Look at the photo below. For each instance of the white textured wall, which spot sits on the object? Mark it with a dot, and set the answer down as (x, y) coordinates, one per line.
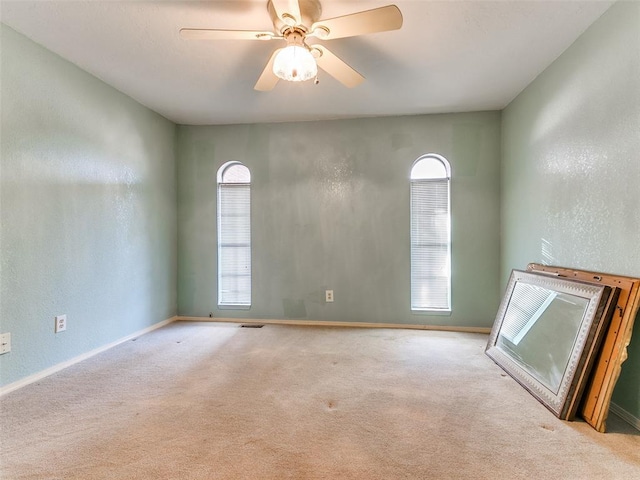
(571, 165)
(88, 214)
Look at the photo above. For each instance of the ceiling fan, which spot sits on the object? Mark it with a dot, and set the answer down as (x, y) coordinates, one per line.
(295, 21)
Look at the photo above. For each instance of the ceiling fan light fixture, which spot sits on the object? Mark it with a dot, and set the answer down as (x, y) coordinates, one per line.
(295, 21)
(295, 63)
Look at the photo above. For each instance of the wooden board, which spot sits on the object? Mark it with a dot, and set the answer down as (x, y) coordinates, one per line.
(613, 352)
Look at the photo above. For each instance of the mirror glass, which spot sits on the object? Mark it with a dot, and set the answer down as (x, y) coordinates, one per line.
(539, 331)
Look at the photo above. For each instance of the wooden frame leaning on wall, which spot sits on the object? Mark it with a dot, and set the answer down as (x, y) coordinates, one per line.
(613, 352)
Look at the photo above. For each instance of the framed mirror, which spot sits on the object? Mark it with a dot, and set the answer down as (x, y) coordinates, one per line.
(546, 335)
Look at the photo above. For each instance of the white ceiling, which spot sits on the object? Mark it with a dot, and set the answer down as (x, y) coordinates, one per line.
(449, 56)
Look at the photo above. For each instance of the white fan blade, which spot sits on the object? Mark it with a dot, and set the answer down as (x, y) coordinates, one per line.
(380, 19)
(288, 11)
(268, 79)
(208, 34)
(337, 68)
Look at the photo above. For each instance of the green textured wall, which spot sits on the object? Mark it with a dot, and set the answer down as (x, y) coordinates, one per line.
(88, 210)
(571, 165)
(330, 210)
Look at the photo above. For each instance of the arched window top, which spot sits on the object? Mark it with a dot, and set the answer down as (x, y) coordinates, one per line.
(234, 172)
(429, 167)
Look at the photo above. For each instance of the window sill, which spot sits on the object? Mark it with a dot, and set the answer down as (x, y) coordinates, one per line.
(234, 307)
(438, 313)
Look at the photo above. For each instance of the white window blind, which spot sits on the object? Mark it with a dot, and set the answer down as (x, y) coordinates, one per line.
(234, 236)
(430, 237)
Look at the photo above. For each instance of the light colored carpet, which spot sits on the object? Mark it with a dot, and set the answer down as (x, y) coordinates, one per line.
(216, 401)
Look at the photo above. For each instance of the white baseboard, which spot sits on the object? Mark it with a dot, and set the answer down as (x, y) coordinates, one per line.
(61, 366)
(323, 323)
(626, 416)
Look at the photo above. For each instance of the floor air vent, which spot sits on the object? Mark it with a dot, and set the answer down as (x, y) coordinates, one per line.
(251, 325)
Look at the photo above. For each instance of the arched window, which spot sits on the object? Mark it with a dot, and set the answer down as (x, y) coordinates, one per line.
(234, 235)
(430, 234)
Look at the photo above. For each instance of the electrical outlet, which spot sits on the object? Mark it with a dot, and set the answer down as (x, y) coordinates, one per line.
(5, 343)
(328, 296)
(61, 323)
